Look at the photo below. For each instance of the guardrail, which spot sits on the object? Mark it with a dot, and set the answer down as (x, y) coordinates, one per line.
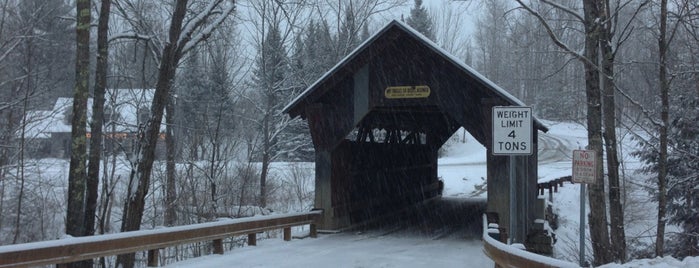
(89, 247)
(509, 256)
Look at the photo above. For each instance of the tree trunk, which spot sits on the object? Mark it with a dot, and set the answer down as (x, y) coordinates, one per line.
(266, 148)
(263, 179)
(78, 157)
(22, 140)
(93, 168)
(665, 121)
(77, 177)
(215, 151)
(170, 189)
(616, 210)
(108, 184)
(599, 233)
(4, 138)
(145, 151)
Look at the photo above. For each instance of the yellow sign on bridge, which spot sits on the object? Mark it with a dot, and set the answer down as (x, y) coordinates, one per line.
(407, 92)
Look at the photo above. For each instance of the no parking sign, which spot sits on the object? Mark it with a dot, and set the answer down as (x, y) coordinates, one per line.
(584, 166)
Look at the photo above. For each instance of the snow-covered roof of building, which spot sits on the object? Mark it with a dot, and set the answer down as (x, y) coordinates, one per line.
(339, 69)
(121, 106)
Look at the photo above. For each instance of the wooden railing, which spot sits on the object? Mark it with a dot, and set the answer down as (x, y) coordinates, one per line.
(553, 185)
(509, 256)
(84, 248)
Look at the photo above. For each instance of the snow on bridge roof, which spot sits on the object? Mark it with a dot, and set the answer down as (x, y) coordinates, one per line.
(301, 99)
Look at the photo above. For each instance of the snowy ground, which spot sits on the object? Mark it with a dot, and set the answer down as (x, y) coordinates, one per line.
(351, 250)
(424, 237)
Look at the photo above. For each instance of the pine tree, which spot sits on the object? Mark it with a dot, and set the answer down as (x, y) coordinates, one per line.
(315, 53)
(683, 177)
(365, 32)
(682, 174)
(421, 20)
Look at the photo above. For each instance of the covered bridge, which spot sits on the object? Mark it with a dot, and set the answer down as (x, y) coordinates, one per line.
(378, 118)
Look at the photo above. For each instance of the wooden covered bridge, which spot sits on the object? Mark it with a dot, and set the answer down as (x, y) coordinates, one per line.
(378, 118)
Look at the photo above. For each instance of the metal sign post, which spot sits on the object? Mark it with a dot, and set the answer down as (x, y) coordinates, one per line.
(512, 135)
(584, 171)
(582, 225)
(513, 201)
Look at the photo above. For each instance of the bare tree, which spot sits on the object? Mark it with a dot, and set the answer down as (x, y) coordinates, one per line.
(170, 216)
(76, 218)
(26, 28)
(274, 25)
(75, 224)
(666, 34)
(665, 121)
(349, 17)
(183, 36)
(589, 18)
(449, 29)
(491, 41)
(93, 168)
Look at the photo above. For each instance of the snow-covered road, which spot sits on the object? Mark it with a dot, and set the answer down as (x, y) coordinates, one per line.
(443, 233)
(352, 250)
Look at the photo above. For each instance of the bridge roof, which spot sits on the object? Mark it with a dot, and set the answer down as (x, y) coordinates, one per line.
(294, 108)
(398, 49)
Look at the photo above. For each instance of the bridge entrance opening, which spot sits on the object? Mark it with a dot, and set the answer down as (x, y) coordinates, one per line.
(379, 117)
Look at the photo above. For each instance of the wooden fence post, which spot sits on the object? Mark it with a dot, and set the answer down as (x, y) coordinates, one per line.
(287, 234)
(314, 230)
(218, 246)
(153, 256)
(252, 239)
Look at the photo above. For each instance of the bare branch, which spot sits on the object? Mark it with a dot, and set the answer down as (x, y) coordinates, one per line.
(564, 9)
(554, 37)
(190, 42)
(136, 36)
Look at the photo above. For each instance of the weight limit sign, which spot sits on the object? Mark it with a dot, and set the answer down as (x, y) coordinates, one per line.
(512, 130)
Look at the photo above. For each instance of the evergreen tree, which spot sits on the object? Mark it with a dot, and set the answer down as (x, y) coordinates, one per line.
(683, 177)
(365, 32)
(420, 20)
(682, 174)
(313, 55)
(192, 100)
(316, 53)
